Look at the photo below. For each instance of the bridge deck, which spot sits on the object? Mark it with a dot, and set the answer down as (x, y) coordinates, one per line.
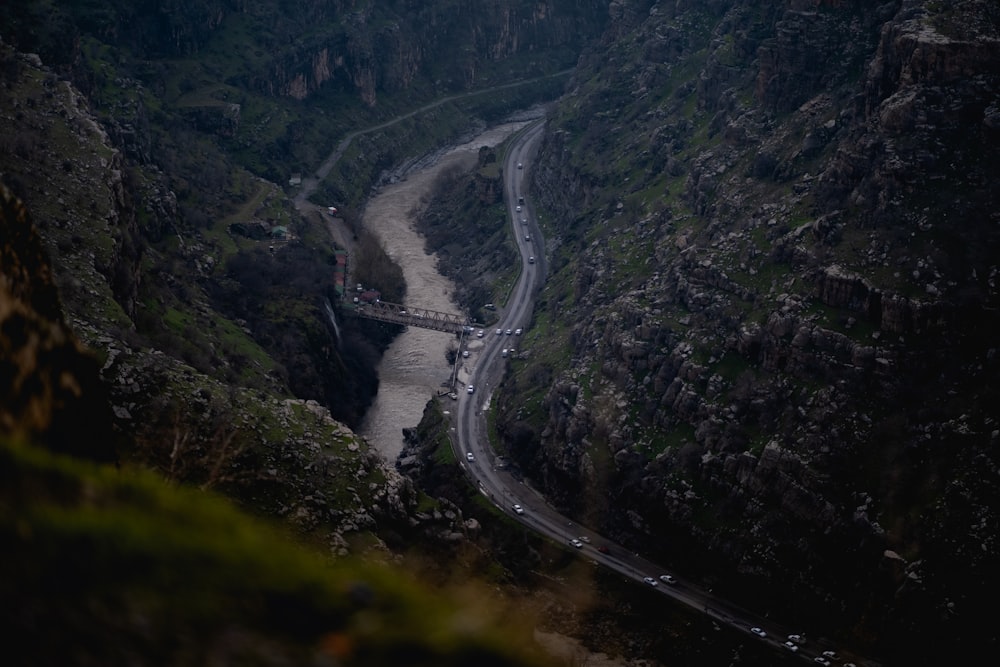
(384, 311)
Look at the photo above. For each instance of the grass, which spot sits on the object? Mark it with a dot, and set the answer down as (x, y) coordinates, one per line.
(117, 558)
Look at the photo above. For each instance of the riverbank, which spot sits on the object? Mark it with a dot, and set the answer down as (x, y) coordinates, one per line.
(415, 366)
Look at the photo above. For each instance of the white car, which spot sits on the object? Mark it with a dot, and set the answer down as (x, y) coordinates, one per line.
(470, 389)
(831, 655)
(520, 166)
(668, 579)
(531, 260)
(517, 332)
(527, 237)
(479, 334)
(821, 660)
(758, 632)
(576, 543)
(518, 208)
(469, 456)
(509, 332)
(795, 638)
(792, 646)
(584, 538)
(465, 354)
(517, 509)
(650, 581)
(499, 332)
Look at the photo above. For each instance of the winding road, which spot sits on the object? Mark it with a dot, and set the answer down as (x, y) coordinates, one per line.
(483, 371)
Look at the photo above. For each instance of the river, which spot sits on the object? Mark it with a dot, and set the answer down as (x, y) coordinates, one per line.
(415, 368)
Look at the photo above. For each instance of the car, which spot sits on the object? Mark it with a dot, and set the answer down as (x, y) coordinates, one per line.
(509, 332)
(469, 456)
(518, 332)
(520, 166)
(795, 638)
(499, 332)
(517, 509)
(832, 655)
(527, 237)
(479, 334)
(465, 354)
(531, 260)
(667, 579)
(518, 209)
(849, 664)
(757, 631)
(524, 221)
(792, 646)
(603, 549)
(576, 543)
(584, 539)
(821, 660)
(650, 581)
(470, 389)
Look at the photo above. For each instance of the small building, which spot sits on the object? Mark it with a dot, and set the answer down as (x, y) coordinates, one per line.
(295, 180)
(279, 232)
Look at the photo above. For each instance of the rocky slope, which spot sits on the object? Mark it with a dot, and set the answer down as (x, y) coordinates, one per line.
(276, 453)
(134, 570)
(142, 148)
(765, 351)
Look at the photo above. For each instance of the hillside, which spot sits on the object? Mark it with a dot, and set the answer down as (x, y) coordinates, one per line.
(157, 165)
(153, 147)
(765, 352)
(764, 355)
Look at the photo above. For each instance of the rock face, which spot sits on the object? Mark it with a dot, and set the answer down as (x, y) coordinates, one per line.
(774, 242)
(363, 49)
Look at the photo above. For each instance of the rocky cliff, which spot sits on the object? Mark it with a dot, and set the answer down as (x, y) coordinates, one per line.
(773, 238)
(295, 50)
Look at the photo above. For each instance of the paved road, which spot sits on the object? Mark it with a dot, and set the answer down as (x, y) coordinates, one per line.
(484, 371)
(310, 183)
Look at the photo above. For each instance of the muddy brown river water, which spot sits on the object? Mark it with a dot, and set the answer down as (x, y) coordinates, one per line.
(415, 368)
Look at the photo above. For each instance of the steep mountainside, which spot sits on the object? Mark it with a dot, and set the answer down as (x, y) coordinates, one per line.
(153, 143)
(129, 569)
(767, 345)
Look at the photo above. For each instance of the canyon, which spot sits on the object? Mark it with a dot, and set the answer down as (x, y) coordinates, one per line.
(764, 353)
